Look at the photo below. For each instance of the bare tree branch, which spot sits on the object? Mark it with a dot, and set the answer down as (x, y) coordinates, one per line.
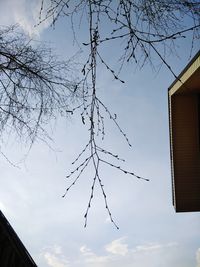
(34, 85)
(144, 28)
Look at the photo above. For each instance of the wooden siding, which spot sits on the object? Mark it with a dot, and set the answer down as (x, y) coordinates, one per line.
(184, 128)
(186, 152)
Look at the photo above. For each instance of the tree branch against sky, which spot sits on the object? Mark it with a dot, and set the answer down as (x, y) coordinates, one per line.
(144, 30)
(141, 26)
(34, 87)
(131, 113)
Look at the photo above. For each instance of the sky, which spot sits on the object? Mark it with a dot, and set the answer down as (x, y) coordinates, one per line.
(51, 227)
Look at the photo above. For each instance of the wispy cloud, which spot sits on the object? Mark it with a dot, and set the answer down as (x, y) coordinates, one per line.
(149, 247)
(53, 256)
(117, 253)
(117, 247)
(24, 13)
(89, 257)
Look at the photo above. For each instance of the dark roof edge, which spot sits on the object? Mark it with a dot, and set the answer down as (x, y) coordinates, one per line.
(184, 70)
(17, 243)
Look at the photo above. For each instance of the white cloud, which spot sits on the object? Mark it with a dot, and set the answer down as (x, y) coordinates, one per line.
(54, 257)
(90, 257)
(84, 250)
(117, 247)
(118, 254)
(22, 12)
(198, 257)
(54, 261)
(57, 249)
(153, 246)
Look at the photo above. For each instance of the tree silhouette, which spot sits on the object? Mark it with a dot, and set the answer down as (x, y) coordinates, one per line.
(34, 86)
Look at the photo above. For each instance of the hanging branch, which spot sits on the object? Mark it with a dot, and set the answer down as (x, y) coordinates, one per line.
(96, 121)
(142, 28)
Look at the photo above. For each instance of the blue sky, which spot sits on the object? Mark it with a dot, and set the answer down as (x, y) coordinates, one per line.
(150, 233)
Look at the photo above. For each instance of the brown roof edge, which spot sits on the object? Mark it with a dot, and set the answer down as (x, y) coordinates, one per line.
(184, 70)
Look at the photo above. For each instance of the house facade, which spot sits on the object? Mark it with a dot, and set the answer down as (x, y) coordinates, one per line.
(184, 125)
